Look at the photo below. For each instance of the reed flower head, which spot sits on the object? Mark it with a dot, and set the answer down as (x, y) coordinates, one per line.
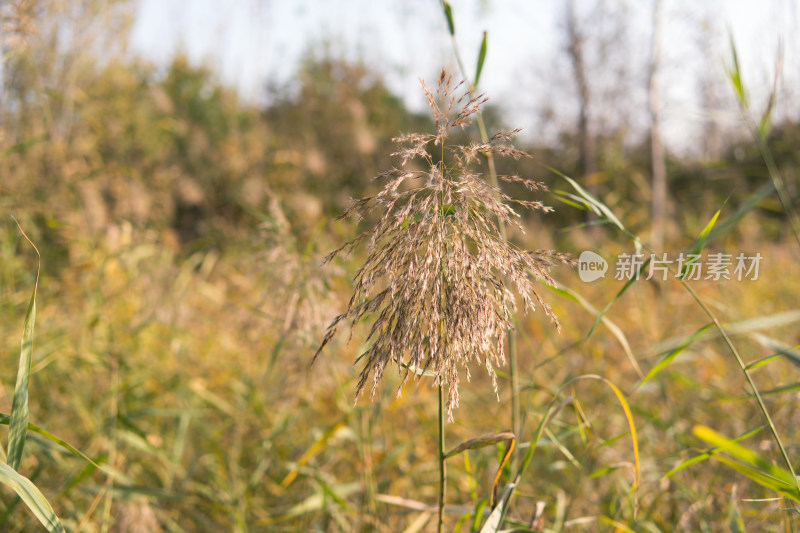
(438, 277)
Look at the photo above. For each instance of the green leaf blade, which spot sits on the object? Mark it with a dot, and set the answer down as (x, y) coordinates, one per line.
(706, 455)
(448, 14)
(32, 497)
(735, 75)
(481, 59)
(751, 464)
(18, 423)
(591, 201)
(688, 341)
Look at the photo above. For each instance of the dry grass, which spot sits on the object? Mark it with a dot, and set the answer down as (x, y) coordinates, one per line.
(437, 273)
(209, 435)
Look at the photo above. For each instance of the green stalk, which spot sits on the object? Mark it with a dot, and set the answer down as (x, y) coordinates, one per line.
(442, 467)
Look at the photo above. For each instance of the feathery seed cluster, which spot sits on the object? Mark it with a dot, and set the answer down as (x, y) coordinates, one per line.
(436, 281)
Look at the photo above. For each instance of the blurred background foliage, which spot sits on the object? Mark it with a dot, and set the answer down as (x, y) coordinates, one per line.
(182, 298)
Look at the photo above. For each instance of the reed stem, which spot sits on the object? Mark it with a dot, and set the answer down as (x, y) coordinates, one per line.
(442, 467)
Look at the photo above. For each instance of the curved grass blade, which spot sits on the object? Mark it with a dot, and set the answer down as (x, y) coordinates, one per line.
(735, 521)
(674, 353)
(782, 388)
(5, 420)
(628, 415)
(448, 14)
(751, 464)
(419, 523)
(18, 423)
(481, 442)
(600, 472)
(32, 497)
(570, 200)
(313, 503)
(761, 477)
(481, 59)
(705, 455)
(488, 440)
(85, 472)
(478, 514)
(418, 371)
(593, 203)
(618, 526)
(700, 243)
(735, 75)
(616, 297)
(792, 354)
(631, 425)
(763, 361)
(495, 519)
(314, 449)
(751, 203)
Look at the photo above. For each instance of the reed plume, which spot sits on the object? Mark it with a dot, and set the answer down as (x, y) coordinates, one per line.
(438, 275)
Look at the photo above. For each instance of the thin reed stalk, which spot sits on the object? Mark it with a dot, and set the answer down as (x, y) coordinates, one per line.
(442, 462)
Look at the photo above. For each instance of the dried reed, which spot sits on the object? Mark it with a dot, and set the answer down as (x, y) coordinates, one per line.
(437, 274)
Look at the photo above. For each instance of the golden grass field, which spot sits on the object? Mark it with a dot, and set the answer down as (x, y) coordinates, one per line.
(190, 377)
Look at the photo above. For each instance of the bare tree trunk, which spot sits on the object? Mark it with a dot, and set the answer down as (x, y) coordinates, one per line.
(659, 170)
(710, 90)
(575, 49)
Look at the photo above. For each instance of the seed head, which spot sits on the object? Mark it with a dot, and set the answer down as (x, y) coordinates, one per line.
(438, 277)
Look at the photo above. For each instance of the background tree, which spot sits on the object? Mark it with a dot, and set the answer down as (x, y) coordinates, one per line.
(658, 158)
(576, 50)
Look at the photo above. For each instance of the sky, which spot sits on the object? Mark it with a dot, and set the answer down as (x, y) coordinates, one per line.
(252, 43)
